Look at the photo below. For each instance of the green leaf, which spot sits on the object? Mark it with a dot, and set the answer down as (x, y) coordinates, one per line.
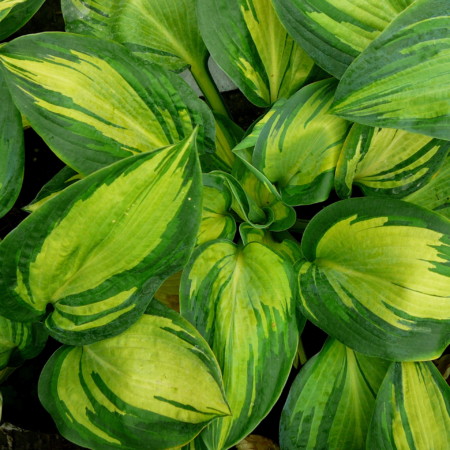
(435, 195)
(16, 13)
(401, 79)
(94, 103)
(332, 399)
(11, 150)
(412, 410)
(247, 40)
(384, 161)
(376, 276)
(154, 386)
(99, 250)
(19, 341)
(298, 147)
(161, 31)
(334, 32)
(248, 318)
(217, 222)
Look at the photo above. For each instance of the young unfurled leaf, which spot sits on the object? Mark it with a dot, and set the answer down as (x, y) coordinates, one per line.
(247, 40)
(99, 250)
(154, 386)
(19, 341)
(331, 402)
(249, 320)
(11, 150)
(385, 161)
(376, 276)
(435, 195)
(298, 148)
(412, 409)
(401, 79)
(93, 102)
(16, 13)
(334, 32)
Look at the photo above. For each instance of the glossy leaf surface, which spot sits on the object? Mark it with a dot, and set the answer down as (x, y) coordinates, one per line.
(331, 402)
(154, 386)
(401, 79)
(93, 102)
(247, 40)
(412, 409)
(385, 161)
(99, 250)
(16, 13)
(248, 319)
(334, 32)
(298, 148)
(376, 276)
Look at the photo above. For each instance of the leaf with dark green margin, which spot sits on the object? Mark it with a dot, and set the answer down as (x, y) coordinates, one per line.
(412, 410)
(154, 386)
(299, 146)
(16, 13)
(97, 252)
(387, 162)
(334, 32)
(331, 402)
(94, 103)
(11, 150)
(247, 40)
(376, 276)
(401, 79)
(248, 318)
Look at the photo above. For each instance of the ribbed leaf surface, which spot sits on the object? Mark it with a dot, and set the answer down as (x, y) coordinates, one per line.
(376, 276)
(248, 319)
(15, 13)
(154, 386)
(99, 250)
(93, 102)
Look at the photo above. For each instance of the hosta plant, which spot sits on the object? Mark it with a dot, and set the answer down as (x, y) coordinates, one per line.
(177, 257)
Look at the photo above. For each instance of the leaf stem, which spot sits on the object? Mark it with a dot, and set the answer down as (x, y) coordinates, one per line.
(301, 352)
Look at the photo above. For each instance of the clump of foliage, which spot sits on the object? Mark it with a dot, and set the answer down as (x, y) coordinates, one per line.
(164, 196)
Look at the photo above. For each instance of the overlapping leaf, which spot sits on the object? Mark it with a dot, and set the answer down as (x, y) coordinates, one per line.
(435, 195)
(331, 402)
(247, 40)
(249, 321)
(11, 150)
(401, 79)
(412, 409)
(154, 386)
(298, 148)
(99, 250)
(334, 32)
(19, 341)
(376, 276)
(384, 161)
(94, 103)
(15, 13)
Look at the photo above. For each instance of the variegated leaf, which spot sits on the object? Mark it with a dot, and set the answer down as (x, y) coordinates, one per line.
(94, 103)
(298, 148)
(412, 410)
(11, 150)
(385, 161)
(401, 79)
(217, 222)
(334, 32)
(154, 386)
(247, 40)
(376, 276)
(16, 13)
(19, 341)
(97, 252)
(331, 402)
(435, 195)
(249, 320)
